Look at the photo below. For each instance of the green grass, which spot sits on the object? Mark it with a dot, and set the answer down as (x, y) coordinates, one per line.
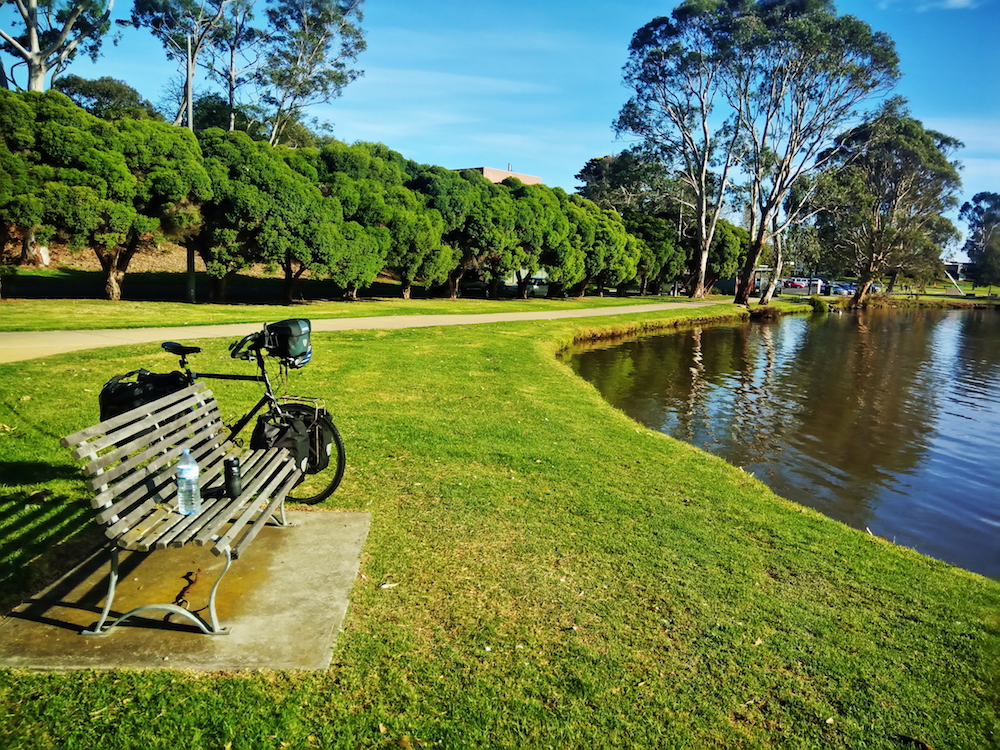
(83, 314)
(565, 577)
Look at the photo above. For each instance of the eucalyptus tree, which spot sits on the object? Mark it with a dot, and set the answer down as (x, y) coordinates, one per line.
(236, 51)
(884, 210)
(311, 46)
(982, 244)
(677, 70)
(47, 35)
(184, 28)
(107, 98)
(796, 74)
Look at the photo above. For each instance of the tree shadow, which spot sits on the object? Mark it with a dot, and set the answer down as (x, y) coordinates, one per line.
(42, 533)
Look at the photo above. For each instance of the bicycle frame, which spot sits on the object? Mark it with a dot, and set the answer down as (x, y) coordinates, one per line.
(268, 399)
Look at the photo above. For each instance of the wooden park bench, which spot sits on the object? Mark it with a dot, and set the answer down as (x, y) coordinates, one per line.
(130, 462)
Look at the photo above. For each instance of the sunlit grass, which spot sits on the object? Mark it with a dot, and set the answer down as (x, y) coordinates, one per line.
(562, 577)
(83, 314)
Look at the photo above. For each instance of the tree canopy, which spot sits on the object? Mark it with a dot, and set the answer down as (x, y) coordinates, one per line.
(117, 188)
(891, 183)
(751, 92)
(48, 34)
(982, 245)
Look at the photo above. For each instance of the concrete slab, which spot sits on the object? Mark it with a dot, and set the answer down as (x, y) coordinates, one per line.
(283, 601)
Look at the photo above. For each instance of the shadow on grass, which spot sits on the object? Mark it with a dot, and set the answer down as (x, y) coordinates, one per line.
(42, 536)
(166, 286)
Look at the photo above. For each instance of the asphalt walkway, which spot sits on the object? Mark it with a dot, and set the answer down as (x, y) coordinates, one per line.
(21, 345)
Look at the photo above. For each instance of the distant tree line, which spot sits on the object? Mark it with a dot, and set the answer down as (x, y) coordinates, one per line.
(345, 213)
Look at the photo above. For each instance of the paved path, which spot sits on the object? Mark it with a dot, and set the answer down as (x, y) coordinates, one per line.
(20, 345)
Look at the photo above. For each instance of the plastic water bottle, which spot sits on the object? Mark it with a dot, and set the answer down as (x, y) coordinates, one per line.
(188, 491)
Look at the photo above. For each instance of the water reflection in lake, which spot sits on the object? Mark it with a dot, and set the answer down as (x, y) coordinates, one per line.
(885, 420)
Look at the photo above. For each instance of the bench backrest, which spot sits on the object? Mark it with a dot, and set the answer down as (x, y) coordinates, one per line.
(131, 458)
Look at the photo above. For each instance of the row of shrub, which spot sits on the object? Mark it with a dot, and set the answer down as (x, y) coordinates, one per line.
(341, 212)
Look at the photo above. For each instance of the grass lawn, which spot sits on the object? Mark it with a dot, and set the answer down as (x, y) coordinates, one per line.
(562, 576)
(84, 314)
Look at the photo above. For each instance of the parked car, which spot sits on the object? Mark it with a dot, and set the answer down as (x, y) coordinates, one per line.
(538, 287)
(472, 284)
(793, 284)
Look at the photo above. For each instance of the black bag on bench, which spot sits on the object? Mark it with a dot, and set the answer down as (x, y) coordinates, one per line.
(118, 396)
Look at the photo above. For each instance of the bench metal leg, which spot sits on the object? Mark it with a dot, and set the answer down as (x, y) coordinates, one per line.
(209, 628)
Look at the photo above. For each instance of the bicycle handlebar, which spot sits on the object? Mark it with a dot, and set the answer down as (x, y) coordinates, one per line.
(236, 348)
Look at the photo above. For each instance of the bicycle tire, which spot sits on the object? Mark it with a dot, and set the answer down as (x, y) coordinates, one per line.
(316, 421)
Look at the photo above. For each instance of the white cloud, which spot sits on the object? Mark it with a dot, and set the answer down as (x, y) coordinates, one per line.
(981, 136)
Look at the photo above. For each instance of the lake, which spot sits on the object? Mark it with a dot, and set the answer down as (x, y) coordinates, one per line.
(885, 420)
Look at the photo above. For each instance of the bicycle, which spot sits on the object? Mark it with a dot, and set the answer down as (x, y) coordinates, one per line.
(323, 433)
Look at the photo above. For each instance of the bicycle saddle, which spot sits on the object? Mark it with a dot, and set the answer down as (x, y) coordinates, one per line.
(180, 349)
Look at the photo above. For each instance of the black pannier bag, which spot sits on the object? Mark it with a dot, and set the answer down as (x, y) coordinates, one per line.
(288, 340)
(120, 395)
(321, 430)
(287, 432)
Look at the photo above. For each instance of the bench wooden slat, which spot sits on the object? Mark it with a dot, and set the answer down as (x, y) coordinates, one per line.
(251, 463)
(159, 528)
(150, 430)
(251, 487)
(201, 446)
(110, 426)
(258, 507)
(160, 488)
(278, 497)
(172, 438)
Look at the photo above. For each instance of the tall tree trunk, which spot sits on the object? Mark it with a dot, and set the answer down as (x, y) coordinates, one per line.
(892, 280)
(744, 284)
(351, 293)
(860, 295)
(772, 282)
(698, 287)
(405, 287)
(454, 279)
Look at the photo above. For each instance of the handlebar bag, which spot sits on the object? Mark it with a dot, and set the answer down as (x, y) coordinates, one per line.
(119, 395)
(288, 340)
(287, 432)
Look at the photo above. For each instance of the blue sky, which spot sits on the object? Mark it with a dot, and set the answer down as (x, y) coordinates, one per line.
(537, 83)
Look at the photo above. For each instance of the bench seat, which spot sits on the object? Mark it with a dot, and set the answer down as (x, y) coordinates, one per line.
(130, 462)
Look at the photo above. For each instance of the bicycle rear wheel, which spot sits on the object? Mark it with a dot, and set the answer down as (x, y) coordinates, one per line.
(327, 457)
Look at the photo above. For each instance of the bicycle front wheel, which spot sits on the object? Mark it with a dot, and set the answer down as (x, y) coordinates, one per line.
(327, 457)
